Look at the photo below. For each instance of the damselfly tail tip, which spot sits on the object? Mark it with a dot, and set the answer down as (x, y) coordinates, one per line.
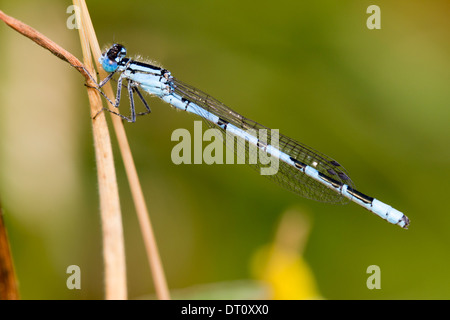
(388, 213)
(399, 219)
(404, 222)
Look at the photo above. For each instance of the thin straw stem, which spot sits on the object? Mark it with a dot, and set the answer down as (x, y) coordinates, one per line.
(113, 242)
(45, 42)
(103, 152)
(113, 248)
(161, 288)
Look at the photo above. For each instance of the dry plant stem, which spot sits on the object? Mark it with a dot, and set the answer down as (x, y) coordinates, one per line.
(8, 283)
(146, 229)
(115, 275)
(159, 279)
(44, 42)
(113, 242)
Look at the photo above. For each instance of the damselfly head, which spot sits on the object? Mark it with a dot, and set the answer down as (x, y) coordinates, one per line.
(112, 57)
(116, 52)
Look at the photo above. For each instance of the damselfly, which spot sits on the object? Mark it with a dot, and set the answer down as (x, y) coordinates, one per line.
(302, 170)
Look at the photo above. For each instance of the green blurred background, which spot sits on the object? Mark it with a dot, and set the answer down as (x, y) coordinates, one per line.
(375, 100)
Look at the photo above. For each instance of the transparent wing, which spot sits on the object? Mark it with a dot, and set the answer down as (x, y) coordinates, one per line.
(287, 176)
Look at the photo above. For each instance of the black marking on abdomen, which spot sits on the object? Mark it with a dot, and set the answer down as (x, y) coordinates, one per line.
(187, 104)
(223, 123)
(298, 164)
(360, 196)
(335, 183)
(261, 145)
